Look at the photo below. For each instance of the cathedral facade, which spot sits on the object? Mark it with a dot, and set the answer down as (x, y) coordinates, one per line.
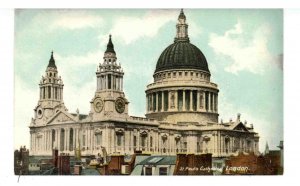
(181, 110)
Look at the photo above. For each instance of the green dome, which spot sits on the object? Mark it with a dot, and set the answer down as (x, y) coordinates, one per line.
(181, 55)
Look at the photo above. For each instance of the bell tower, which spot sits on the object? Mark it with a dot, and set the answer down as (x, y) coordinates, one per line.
(109, 100)
(51, 94)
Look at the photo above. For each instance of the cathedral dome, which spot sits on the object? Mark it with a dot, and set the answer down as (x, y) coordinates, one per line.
(181, 55)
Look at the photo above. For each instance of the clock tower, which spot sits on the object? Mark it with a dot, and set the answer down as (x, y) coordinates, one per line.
(109, 100)
(51, 95)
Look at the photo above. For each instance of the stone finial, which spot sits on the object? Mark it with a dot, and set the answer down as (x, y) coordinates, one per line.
(77, 111)
(230, 120)
(238, 117)
(221, 121)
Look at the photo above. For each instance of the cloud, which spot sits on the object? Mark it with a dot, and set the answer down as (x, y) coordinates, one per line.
(132, 28)
(23, 110)
(76, 20)
(78, 75)
(246, 54)
(67, 19)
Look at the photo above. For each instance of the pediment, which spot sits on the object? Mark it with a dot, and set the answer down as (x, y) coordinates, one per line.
(240, 127)
(61, 117)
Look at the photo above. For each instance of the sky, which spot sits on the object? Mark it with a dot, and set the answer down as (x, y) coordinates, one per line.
(243, 48)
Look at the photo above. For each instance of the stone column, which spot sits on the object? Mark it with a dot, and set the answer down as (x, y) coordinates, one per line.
(191, 100)
(61, 94)
(213, 102)
(116, 82)
(52, 92)
(198, 100)
(162, 101)
(57, 93)
(126, 141)
(204, 100)
(46, 92)
(170, 100)
(156, 108)
(121, 83)
(152, 102)
(138, 139)
(45, 141)
(216, 107)
(209, 106)
(131, 145)
(147, 103)
(58, 139)
(113, 144)
(176, 100)
(183, 100)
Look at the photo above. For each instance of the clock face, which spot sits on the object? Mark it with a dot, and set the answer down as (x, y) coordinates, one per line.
(98, 104)
(120, 105)
(40, 112)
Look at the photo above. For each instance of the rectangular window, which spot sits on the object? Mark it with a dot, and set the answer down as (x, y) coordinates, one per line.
(134, 141)
(163, 171)
(174, 74)
(143, 141)
(98, 139)
(119, 140)
(151, 141)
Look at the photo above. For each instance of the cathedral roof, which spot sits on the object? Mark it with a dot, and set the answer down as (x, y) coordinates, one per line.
(181, 54)
(110, 46)
(52, 61)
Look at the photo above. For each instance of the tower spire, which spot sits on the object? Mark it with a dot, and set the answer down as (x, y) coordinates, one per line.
(182, 28)
(110, 46)
(267, 148)
(52, 61)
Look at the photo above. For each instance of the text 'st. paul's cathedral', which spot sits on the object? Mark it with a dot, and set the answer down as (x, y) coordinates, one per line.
(181, 116)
